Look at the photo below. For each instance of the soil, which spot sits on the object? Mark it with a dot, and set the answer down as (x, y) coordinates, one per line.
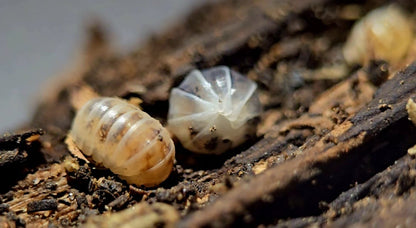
(331, 146)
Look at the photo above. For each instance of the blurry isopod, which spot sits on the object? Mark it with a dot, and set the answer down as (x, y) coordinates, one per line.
(384, 34)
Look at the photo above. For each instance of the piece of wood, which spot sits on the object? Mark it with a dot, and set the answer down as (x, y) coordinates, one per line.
(299, 184)
(327, 127)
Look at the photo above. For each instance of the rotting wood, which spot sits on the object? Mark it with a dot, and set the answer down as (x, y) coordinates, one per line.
(383, 200)
(314, 147)
(18, 153)
(392, 183)
(140, 215)
(322, 163)
(42, 205)
(16, 141)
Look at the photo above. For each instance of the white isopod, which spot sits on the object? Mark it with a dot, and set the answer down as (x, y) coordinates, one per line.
(213, 110)
(125, 140)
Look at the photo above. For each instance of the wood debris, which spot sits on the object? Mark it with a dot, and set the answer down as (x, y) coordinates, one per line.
(331, 151)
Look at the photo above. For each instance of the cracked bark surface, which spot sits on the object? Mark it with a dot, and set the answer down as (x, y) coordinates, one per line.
(331, 151)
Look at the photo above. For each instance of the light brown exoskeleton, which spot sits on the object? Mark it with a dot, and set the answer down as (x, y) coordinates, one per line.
(124, 139)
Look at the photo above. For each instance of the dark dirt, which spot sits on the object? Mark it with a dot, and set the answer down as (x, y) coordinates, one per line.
(331, 147)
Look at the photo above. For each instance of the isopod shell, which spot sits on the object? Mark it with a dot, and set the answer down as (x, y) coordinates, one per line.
(125, 140)
(384, 33)
(214, 110)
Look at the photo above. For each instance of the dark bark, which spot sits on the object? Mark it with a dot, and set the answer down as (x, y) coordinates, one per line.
(331, 150)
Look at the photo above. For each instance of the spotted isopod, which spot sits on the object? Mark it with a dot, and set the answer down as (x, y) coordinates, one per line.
(125, 140)
(214, 110)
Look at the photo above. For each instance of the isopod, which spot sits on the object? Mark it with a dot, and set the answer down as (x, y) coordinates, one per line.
(213, 110)
(124, 139)
(385, 33)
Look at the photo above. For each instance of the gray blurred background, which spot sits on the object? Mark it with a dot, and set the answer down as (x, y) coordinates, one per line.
(40, 38)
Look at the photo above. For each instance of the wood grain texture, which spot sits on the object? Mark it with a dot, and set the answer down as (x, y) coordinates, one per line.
(331, 148)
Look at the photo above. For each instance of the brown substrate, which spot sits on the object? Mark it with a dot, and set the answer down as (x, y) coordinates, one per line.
(331, 147)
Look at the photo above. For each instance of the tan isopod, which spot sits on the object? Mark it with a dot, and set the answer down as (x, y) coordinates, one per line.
(125, 140)
(384, 33)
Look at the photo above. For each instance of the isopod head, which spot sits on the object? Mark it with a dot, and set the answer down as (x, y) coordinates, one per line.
(124, 139)
(213, 110)
(385, 33)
